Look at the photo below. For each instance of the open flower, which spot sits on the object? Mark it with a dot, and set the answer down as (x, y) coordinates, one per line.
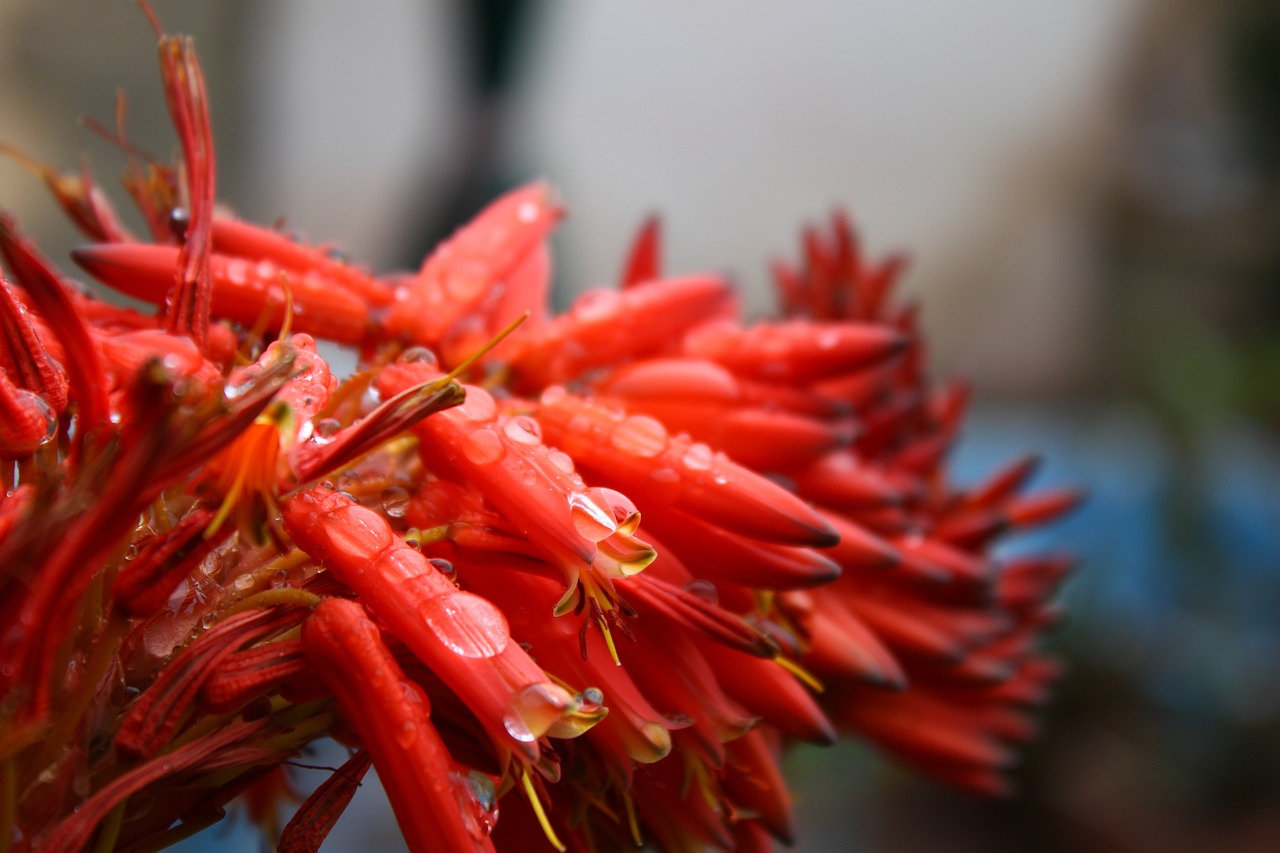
(591, 579)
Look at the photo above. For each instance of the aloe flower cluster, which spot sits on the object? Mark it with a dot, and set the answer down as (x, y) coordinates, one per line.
(566, 581)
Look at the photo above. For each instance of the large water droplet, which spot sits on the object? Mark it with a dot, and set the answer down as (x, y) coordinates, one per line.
(592, 516)
(466, 624)
(553, 394)
(35, 404)
(483, 447)
(479, 405)
(534, 709)
(417, 355)
(640, 435)
(477, 802)
(395, 501)
(523, 429)
(698, 457)
(561, 460)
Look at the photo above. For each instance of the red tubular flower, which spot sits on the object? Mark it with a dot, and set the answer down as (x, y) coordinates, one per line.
(752, 526)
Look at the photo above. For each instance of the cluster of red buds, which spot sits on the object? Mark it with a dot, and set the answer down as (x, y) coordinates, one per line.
(213, 551)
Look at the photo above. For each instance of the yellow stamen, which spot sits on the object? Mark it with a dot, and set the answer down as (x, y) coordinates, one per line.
(800, 672)
(632, 820)
(547, 830)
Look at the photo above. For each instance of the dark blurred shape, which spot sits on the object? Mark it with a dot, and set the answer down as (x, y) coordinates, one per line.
(493, 32)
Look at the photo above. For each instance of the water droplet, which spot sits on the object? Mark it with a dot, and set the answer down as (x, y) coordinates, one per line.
(523, 429)
(207, 620)
(418, 355)
(534, 709)
(407, 735)
(327, 428)
(483, 447)
(698, 457)
(579, 423)
(640, 435)
(36, 405)
(703, 589)
(477, 802)
(279, 578)
(552, 394)
(561, 460)
(666, 482)
(591, 698)
(529, 477)
(479, 405)
(395, 501)
(444, 567)
(237, 270)
(466, 624)
(592, 516)
(244, 583)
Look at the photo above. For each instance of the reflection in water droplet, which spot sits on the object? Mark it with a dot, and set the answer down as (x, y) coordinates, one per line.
(640, 435)
(466, 624)
(477, 802)
(444, 567)
(483, 447)
(592, 516)
(395, 501)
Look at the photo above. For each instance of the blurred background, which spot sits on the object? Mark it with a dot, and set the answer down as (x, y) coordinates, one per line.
(1091, 195)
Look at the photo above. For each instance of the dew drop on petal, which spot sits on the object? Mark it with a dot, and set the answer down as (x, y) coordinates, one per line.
(466, 624)
(444, 567)
(666, 481)
(703, 589)
(553, 394)
(534, 709)
(417, 355)
(561, 460)
(407, 734)
(35, 404)
(244, 583)
(483, 447)
(479, 404)
(327, 428)
(279, 578)
(395, 501)
(477, 802)
(640, 435)
(698, 457)
(592, 516)
(523, 429)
